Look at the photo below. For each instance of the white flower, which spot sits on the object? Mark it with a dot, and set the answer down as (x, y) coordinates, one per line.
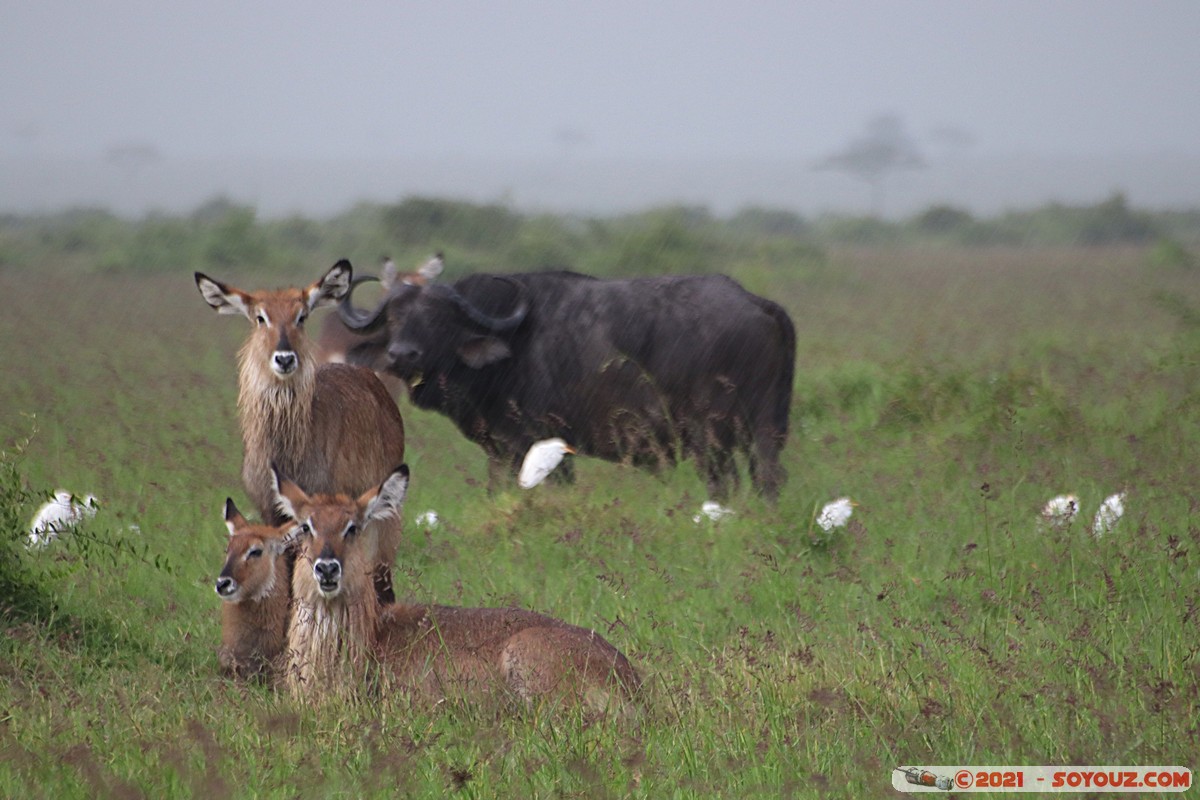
(835, 514)
(713, 511)
(1110, 511)
(427, 518)
(541, 460)
(57, 515)
(1060, 511)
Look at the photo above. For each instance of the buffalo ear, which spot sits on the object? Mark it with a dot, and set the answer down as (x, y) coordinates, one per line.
(479, 351)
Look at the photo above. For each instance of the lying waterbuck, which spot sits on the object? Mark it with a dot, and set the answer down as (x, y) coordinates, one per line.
(255, 584)
(340, 637)
(333, 427)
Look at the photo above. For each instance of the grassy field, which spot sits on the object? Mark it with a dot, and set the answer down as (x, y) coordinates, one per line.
(950, 392)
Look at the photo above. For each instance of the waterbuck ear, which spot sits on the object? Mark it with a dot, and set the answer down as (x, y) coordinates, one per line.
(479, 351)
(331, 288)
(225, 299)
(233, 517)
(290, 533)
(387, 500)
(288, 496)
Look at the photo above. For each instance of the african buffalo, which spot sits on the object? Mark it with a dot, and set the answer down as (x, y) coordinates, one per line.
(643, 370)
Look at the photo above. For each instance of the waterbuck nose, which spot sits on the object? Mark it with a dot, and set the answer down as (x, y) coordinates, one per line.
(326, 570)
(284, 362)
(226, 586)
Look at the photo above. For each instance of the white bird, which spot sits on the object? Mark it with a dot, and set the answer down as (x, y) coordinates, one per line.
(541, 460)
(57, 515)
(427, 518)
(835, 514)
(713, 511)
(1060, 511)
(1110, 511)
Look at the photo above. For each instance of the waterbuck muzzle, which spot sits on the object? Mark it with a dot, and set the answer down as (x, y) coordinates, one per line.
(226, 587)
(284, 360)
(328, 574)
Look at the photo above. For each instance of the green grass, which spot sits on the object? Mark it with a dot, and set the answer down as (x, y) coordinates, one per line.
(949, 392)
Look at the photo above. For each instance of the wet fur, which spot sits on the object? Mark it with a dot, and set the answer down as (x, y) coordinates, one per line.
(330, 427)
(254, 628)
(338, 644)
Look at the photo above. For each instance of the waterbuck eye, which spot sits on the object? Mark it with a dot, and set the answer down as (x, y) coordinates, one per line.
(254, 552)
(351, 529)
(260, 318)
(305, 527)
(303, 315)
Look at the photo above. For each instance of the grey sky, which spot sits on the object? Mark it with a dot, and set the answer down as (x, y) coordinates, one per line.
(461, 97)
(661, 79)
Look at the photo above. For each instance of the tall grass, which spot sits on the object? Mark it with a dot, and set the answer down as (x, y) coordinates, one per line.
(949, 392)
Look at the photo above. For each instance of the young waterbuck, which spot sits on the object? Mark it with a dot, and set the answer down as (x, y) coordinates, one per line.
(331, 427)
(340, 638)
(255, 584)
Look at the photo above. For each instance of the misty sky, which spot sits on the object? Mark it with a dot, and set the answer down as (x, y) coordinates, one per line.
(611, 79)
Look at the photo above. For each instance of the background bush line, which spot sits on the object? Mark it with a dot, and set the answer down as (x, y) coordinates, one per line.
(223, 234)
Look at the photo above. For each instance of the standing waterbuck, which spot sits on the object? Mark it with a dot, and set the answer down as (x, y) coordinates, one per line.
(255, 584)
(340, 638)
(332, 427)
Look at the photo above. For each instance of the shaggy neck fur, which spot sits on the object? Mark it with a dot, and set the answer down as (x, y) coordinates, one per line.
(330, 641)
(274, 410)
(276, 420)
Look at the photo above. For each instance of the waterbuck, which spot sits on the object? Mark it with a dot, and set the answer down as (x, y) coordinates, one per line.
(340, 638)
(332, 427)
(255, 585)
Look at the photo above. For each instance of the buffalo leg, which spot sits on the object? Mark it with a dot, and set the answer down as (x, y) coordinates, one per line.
(766, 473)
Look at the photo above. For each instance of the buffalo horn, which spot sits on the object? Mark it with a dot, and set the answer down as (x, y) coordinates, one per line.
(357, 319)
(494, 324)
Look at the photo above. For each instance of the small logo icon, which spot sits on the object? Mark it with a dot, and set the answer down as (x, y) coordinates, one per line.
(923, 777)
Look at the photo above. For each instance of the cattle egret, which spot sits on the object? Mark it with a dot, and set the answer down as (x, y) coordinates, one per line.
(713, 511)
(1060, 511)
(541, 460)
(1110, 511)
(835, 514)
(57, 515)
(427, 518)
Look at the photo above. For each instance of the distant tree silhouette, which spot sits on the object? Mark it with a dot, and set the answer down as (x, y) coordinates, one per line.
(885, 148)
